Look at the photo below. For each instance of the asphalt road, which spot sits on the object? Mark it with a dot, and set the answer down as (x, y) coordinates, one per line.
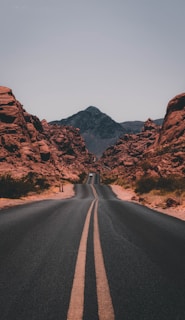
(91, 257)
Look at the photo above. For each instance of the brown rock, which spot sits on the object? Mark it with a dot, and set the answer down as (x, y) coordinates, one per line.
(27, 144)
(170, 202)
(124, 157)
(154, 152)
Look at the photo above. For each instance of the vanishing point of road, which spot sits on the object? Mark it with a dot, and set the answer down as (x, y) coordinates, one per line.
(91, 257)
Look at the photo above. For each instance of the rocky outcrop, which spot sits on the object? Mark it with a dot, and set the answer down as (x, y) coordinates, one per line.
(125, 157)
(29, 145)
(169, 153)
(156, 151)
(173, 129)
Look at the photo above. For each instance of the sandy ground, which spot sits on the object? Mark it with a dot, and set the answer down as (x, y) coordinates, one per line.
(155, 203)
(54, 193)
(123, 194)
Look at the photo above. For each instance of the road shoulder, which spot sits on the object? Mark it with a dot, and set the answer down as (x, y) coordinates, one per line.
(130, 195)
(53, 193)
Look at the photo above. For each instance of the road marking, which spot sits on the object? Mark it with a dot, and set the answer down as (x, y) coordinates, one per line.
(76, 305)
(105, 307)
(94, 192)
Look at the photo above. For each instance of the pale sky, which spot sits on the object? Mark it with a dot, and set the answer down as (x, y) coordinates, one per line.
(126, 57)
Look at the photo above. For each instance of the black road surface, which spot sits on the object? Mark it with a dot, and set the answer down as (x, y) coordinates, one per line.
(143, 253)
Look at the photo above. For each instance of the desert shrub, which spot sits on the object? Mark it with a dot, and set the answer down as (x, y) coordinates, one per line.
(171, 183)
(37, 181)
(15, 188)
(145, 185)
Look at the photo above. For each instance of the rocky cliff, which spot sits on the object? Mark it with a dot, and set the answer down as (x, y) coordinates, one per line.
(29, 145)
(124, 158)
(169, 151)
(155, 151)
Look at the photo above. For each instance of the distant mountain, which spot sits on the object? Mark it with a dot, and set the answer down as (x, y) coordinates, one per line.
(137, 126)
(98, 129)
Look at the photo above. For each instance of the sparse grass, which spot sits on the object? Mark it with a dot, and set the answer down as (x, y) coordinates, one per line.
(15, 188)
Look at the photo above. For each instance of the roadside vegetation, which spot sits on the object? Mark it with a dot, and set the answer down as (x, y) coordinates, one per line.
(164, 184)
(164, 191)
(14, 188)
(108, 178)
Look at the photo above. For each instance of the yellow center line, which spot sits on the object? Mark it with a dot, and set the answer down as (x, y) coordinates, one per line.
(76, 305)
(105, 307)
(94, 192)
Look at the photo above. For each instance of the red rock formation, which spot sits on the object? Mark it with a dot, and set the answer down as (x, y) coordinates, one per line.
(154, 151)
(124, 158)
(27, 144)
(170, 147)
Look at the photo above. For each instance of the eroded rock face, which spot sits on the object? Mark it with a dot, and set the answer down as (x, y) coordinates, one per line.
(170, 146)
(126, 156)
(173, 129)
(27, 144)
(156, 151)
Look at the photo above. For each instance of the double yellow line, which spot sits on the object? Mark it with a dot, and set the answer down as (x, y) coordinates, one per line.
(76, 305)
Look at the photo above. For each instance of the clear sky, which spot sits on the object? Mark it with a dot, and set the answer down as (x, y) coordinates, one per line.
(126, 57)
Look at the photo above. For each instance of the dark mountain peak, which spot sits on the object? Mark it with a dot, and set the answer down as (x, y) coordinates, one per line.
(97, 128)
(93, 110)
